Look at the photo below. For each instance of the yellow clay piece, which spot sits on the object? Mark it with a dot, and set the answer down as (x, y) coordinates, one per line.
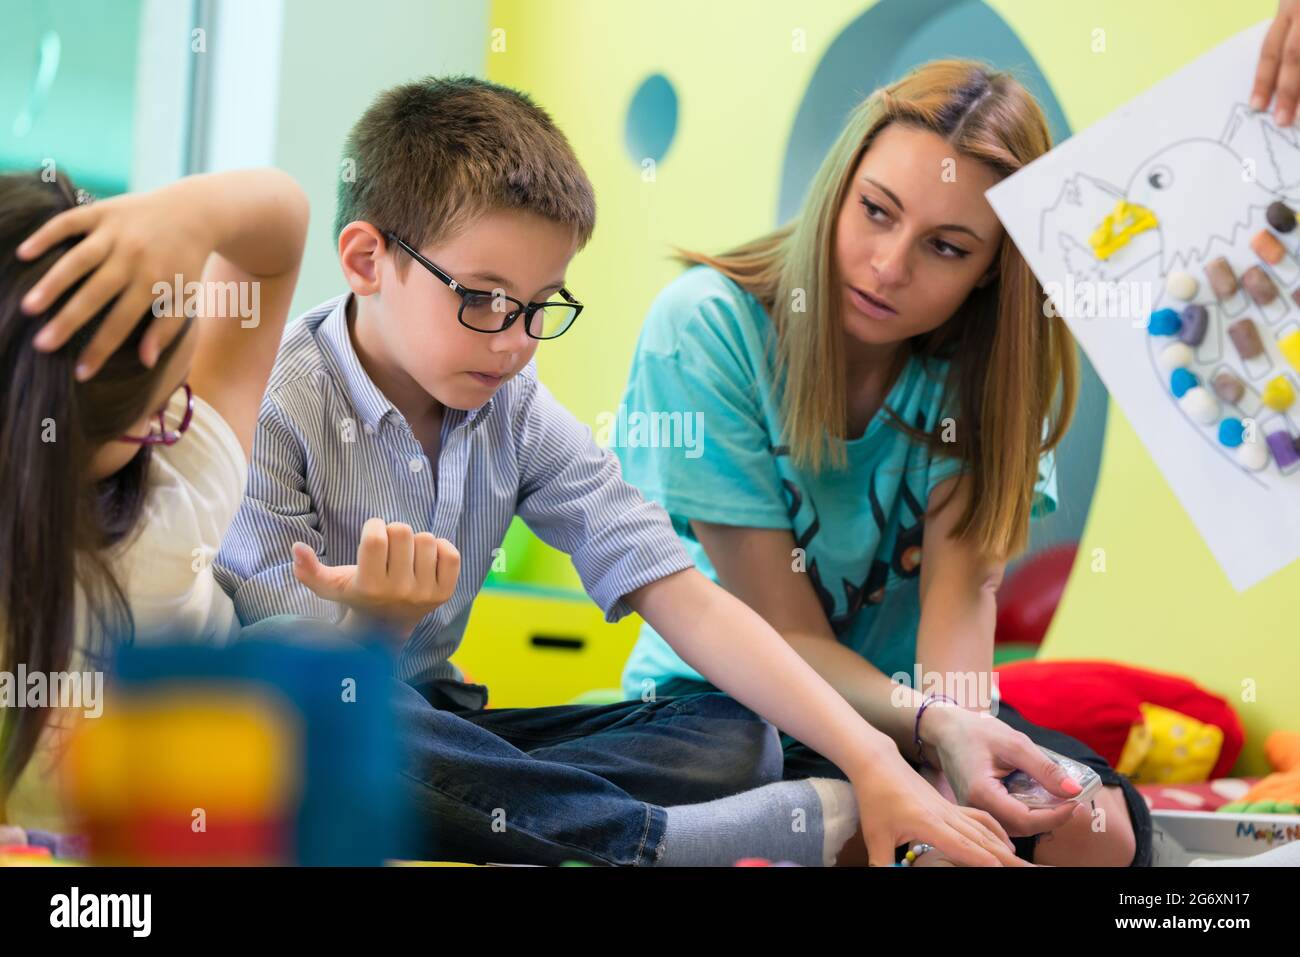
(1124, 222)
(1289, 345)
(1278, 394)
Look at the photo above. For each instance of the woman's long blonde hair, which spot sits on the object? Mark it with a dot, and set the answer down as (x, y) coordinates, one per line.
(1012, 367)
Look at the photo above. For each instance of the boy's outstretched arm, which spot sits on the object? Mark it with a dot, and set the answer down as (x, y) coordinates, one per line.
(730, 644)
(734, 647)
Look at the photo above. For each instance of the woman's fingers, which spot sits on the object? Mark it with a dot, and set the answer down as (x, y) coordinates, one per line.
(974, 844)
(964, 840)
(1021, 752)
(880, 847)
(1288, 80)
(1046, 819)
(1270, 60)
(70, 222)
(961, 849)
(991, 823)
(986, 840)
(1015, 815)
(66, 271)
(1003, 806)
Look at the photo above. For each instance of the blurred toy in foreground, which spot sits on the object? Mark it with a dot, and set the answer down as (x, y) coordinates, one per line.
(260, 753)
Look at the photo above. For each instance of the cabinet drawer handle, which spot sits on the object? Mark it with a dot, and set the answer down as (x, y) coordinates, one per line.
(558, 641)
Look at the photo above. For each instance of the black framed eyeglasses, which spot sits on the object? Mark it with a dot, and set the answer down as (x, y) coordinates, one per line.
(490, 311)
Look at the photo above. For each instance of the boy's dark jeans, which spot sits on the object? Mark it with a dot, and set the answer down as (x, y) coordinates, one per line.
(567, 783)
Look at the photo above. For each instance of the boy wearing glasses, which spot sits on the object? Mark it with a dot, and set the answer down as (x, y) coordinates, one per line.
(405, 423)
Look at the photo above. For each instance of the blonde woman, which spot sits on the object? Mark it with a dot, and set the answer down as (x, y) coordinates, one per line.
(878, 382)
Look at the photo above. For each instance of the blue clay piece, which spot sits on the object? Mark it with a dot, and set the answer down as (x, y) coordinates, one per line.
(1164, 322)
(1181, 380)
(1230, 432)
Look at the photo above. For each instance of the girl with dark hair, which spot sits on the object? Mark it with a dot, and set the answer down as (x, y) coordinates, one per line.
(128, 421)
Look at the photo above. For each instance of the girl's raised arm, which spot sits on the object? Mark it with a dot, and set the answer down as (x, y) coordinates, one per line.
(218, 243)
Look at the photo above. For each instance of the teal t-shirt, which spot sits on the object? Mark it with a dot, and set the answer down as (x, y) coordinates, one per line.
(699, 431)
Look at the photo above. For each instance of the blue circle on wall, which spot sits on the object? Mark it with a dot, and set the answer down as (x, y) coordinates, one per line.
(651, 119)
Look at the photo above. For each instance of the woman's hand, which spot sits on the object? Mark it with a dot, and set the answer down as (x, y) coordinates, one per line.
(1279, 64)
(976, 751)
(897, 806)
(399, 576)
(129, 243)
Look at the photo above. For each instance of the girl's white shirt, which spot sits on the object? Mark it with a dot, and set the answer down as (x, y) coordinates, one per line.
(165, 570)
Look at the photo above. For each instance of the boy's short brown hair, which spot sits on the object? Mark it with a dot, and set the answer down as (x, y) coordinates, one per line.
(429, 157)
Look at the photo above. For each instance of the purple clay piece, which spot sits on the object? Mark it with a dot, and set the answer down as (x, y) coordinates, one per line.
(1283, 448)
(1195, 319)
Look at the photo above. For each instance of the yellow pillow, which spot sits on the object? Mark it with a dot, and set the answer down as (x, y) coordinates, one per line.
(1182, 750)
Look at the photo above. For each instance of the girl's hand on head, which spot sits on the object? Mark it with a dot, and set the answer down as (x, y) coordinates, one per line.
(897, 806)
(129, 244)
(1279, 64)
(399, 577)
(977, 751)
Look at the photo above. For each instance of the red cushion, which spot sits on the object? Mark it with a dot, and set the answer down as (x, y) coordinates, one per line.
(1097, 702)
(1028, 598)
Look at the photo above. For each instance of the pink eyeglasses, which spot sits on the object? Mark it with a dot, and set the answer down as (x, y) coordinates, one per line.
(164, 435)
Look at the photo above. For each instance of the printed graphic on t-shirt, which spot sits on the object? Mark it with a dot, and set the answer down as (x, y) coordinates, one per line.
(903, 554)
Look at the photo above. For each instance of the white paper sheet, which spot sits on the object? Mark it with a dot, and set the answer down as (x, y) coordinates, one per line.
(1192, 152)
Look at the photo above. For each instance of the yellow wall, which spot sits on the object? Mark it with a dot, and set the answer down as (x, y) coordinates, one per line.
(1162, 601)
